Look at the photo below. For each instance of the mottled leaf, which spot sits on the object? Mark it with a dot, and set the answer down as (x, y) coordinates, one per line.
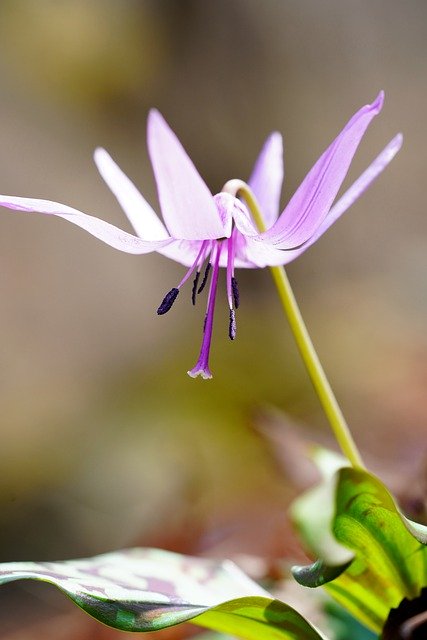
(390, 561)
(149, 589)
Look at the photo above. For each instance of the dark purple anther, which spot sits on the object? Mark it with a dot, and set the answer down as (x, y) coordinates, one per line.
(235, 290)
(168, 301)
(232, 326)
(205, 278)
(194, 290)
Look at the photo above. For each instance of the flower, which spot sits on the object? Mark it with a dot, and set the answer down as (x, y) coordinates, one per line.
(217, 230)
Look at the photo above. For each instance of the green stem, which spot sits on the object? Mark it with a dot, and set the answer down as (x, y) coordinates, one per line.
(303, 340)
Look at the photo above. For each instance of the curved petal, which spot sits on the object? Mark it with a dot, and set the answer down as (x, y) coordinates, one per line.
(99, 228)
(267, 178)
(244, 221)
(359, 186)
(141, 216)
(260, 254)
(263, 254)
(187, 204)
(311, 202)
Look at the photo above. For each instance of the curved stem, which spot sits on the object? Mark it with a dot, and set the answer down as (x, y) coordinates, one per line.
(315, 369)
(311, 360)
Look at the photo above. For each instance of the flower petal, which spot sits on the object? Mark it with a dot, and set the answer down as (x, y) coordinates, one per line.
(99, 228)
(258, 254)
(311, 202)
(267, 178)
(142, 217)
(359, 186)
(267, 255)
(187, 204)
(244, 221)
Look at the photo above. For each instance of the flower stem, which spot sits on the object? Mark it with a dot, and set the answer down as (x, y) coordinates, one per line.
(311, 360)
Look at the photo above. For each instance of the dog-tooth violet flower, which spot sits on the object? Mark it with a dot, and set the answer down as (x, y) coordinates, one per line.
(205, 232)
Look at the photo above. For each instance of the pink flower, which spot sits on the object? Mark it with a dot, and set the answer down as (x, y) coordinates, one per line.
(217, 230)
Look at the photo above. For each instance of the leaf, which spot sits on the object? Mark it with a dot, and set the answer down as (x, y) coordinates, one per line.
(390, 561)
(318, 573)
(256, 618)
(344, 626)
(313, 514)
(150, 589)
(314, 511)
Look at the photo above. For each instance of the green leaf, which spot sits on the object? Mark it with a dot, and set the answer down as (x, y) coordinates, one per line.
(150, 589)
(390, 561)
(319, 573)
(344, 626)
(313, 514)
(256, 618)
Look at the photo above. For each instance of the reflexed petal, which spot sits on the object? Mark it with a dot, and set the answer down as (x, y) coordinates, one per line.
(187, 204)
(251, 250)
(225, 204)
(243, 220)
(359, 186)
(261, 254)
(99, 228)
(267, 178)
(142, 217)
(264, 255)
(311, 202)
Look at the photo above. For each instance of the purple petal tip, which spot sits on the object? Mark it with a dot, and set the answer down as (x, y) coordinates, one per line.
(377, 104)
(398, 140)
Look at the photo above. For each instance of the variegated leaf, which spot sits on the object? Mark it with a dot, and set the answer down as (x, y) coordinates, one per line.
(150, 589)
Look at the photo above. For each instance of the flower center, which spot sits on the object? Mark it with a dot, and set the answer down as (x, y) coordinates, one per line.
(210, 252)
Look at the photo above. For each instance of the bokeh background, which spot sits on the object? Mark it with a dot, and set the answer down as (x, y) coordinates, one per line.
(105, 441)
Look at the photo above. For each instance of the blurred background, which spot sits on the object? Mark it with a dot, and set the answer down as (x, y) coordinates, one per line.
(105, 441)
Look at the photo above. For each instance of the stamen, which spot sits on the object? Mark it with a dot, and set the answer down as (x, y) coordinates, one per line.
(236, 294)
(202, 365)
(201, 254)
(230, 269)
(232, 328)
(232, 289)
(205, 278)
(194, 289)
(168, 301)
(170, 297)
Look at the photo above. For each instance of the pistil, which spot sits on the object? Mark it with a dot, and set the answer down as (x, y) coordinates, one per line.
(202, 366)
